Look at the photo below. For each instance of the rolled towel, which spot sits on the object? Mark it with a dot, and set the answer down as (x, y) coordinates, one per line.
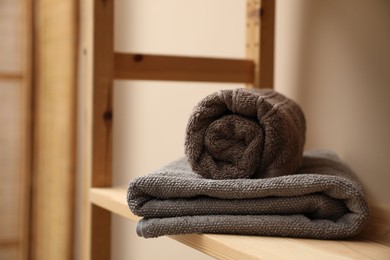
(323, 200)
(245, 133)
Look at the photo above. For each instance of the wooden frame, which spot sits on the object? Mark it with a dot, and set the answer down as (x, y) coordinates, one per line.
(260, 41)
(27, 78)
(97, 58)
(101, 66)
(54, 129)
(158, 67)
(20, 76)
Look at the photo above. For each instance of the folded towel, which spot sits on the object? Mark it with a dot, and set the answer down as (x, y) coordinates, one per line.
(323, 200)
(245, 133)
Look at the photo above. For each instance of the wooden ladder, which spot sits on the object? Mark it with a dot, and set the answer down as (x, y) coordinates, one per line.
(101, 66)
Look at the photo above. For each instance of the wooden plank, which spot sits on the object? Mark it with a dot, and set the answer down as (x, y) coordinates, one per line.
(97, 59)
(267, 44)
(9, 253)
(260, 41)
(11, 154)
(103, 62)
(253, 37)
(55, 52)
(9, 243)
(27, 133)
(113, 199)
(373, 243)
(102, 93)
(85, 113)
(11, 131)
(15, 134)
(11, 43)
(10, 76)
(10, 249)
(101, 230)
(159, 67)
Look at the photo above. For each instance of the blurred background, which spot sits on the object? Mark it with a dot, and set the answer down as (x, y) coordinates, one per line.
(331, 56)
(15, 127)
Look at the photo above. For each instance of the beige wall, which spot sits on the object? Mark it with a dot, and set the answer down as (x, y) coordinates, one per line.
(332, 56)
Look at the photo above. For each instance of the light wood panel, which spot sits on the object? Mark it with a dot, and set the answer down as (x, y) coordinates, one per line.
(27, 134)
(372, 243)
(97, 59)
(54, 128)
(159, 67)
(11, 35)
(10, 76)
(103, 65)
(15, 133)
(260, 41)
(112, 199)
(11, 174)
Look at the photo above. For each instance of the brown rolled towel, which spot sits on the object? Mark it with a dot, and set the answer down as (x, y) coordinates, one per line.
(245, 133)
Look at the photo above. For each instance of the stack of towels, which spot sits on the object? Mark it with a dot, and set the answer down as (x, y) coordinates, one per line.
(245, 173)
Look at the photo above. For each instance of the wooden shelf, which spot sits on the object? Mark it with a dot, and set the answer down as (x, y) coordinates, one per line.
(112, 199)
(373, 243)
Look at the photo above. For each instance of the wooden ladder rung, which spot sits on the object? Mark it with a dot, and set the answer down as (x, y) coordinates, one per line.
(180, 68)
(10, 76)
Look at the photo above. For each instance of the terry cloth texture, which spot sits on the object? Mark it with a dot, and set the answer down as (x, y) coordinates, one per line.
(323, 200)
(245, 133)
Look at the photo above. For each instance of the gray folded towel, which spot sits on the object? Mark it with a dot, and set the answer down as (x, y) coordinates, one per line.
(323, 200)
(244, 133)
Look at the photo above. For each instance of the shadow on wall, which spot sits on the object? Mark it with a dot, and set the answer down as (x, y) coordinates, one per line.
(343, 84)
